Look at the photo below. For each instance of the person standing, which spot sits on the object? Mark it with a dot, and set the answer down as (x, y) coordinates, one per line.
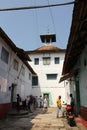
(59, 106)
(72, 103)
(18, 102)
(45, 103)
(41, 102)
(27, 102)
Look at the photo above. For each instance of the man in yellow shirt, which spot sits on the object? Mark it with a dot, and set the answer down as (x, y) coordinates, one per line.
(59, 106)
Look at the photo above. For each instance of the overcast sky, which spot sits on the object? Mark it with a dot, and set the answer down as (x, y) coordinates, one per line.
(24, 27)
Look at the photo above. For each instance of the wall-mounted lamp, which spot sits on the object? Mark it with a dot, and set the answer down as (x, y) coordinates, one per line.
(9, 88)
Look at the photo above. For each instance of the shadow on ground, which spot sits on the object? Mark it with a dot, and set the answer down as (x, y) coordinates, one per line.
(20, 120)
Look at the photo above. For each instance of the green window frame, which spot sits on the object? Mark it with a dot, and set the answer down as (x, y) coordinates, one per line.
(36, 61)
(34, 80)
(57, 60)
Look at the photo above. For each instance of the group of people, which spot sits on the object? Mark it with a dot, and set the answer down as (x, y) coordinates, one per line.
(43, 102)
(60, 108)
(32, 102)
(29, 103)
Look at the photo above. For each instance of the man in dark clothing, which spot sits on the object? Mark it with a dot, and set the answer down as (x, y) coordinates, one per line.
(72, 103)
(18, 102)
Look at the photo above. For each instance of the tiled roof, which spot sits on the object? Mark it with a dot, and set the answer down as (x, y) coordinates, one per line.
(78, 36)
(19, 52)
(47, 48)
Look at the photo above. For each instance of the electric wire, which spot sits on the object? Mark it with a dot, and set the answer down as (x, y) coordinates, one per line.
(53, 21)
(37, 20)
(35, 7)
(52, 17)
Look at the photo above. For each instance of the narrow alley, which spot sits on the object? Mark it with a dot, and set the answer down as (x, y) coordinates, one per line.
(38, 120)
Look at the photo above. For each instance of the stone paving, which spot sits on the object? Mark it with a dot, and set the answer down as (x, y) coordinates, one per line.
(38, 120)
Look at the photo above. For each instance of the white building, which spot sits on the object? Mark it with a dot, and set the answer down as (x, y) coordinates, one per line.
(15, 73)
(47, 62)
(75, 62)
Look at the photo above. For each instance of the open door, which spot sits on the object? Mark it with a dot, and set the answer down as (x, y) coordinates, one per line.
(77, 98)
(47, 95)
(12, 94)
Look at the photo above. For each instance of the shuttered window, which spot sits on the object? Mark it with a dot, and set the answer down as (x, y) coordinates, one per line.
(46, 60)
(15, 65)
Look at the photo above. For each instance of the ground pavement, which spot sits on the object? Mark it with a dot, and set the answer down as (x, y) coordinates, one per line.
(38, 120)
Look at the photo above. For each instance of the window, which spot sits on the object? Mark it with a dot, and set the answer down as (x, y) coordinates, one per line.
(34, 80)
(56, 60)
(4, 55)
(46, 60)
(29, 76)
(36, 61)
(23, 71)
(51, 76)
(15, 65)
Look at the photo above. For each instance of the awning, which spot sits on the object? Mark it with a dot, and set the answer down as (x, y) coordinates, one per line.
(66, 76)
(69, 75)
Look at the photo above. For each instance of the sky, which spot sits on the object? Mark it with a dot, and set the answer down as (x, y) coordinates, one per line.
(24, 27)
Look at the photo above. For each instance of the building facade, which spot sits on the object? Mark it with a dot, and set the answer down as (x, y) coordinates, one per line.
(75, 62)
(47, 62)
(15, 74)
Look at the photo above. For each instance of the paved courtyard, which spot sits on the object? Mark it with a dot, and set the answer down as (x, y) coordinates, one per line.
(38, 120)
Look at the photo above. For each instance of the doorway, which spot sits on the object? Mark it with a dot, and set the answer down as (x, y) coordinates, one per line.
(12, 95)
(47, 95)
(77, 97)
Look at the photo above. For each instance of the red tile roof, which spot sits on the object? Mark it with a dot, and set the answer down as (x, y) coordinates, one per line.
(47, 48)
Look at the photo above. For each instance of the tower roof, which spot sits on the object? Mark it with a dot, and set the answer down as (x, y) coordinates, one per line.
(48, 38)
(46, 49)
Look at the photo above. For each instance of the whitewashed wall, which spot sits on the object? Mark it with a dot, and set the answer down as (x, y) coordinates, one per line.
(53, 87)
(83, 79)
(8, 76)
